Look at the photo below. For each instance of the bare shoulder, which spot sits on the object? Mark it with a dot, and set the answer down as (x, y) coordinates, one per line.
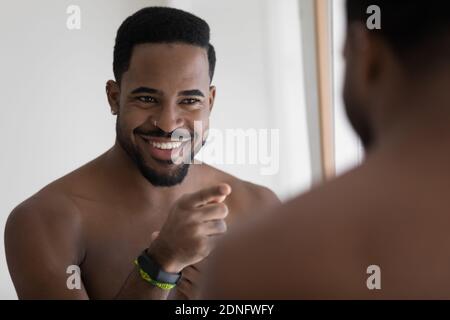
(253, 193)
(56, 202)
(48, 203)
(245, 196)
(46, 225)
(53, 214)
(43, 236)
(48, 210)
(52, 205)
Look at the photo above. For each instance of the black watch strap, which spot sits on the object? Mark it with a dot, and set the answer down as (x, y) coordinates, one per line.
(153, 269)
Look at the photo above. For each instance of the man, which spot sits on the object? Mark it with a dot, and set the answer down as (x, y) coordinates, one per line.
(382, 230)
(136, 221)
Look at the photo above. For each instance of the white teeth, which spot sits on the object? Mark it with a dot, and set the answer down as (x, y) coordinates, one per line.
(166, 145)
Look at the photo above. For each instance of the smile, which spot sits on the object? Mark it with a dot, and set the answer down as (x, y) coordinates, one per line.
(166, 145)
(163, 145)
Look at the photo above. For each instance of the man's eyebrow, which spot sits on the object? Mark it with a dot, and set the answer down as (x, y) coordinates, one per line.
(146, 90)
(194, 92)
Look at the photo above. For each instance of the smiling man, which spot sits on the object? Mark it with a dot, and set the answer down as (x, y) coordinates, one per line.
(136, 221)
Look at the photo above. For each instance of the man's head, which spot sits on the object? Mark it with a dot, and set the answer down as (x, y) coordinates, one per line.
(385, 66)
(163, 65)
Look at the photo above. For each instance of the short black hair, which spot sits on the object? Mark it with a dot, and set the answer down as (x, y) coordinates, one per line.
(160, 25)
(414, 29)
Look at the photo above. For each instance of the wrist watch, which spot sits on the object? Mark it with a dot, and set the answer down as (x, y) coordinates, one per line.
(153, 269)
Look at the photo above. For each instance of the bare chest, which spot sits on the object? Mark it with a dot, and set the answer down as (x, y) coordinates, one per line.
(113, 238)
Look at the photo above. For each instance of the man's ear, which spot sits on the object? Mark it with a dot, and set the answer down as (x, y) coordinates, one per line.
(113, 95)
(367, 53)
(212, 97)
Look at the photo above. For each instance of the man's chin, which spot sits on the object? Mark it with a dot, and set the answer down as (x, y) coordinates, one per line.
(167, 174)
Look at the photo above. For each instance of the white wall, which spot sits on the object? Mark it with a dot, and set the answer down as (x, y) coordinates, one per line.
(259, 78)
(55, 116)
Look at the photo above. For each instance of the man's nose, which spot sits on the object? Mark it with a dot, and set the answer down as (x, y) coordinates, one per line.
(169, 118)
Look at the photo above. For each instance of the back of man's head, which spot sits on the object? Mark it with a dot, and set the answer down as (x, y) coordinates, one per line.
(416, 30)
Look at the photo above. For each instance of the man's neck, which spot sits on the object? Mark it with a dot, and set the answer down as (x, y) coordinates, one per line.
(415, 112)
(421, 133)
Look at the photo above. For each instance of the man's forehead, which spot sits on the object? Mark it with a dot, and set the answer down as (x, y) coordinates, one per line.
(165, 55)
(168, 62)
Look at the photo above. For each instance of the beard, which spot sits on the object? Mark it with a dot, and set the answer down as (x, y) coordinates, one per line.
(168, 179)
(355, 111)
(360, 125)
(154, 177)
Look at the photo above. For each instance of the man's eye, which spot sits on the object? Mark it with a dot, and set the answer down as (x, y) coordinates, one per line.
(146, 99)
(190, 101)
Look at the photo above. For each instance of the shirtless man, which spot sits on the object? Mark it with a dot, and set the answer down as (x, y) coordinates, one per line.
(134, 197)
(393, 211)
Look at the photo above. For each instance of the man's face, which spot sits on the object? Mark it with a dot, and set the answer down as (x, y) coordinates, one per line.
(165, 90)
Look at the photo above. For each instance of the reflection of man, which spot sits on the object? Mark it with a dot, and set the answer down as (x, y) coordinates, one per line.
(104, 215)
(393, 211)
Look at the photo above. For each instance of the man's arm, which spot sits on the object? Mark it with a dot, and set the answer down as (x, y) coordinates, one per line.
(42, 239)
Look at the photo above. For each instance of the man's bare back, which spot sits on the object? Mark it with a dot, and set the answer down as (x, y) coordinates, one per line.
(392, 212)
(380, 231)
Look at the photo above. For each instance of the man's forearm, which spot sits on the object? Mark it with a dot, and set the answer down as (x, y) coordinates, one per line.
(135, 287)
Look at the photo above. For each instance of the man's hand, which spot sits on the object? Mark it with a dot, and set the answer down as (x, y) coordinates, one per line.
(187, 236)
(188, 287)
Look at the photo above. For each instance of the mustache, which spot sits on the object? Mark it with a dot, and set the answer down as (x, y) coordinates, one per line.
(180, 132)
(153, 133)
